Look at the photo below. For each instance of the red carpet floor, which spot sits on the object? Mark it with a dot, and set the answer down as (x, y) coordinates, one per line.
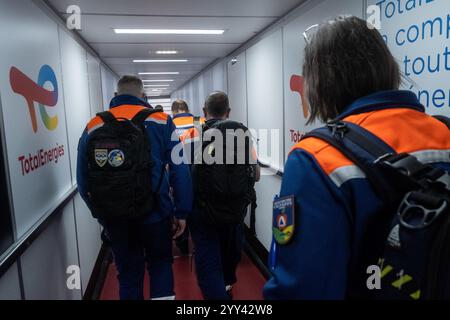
(249, 286)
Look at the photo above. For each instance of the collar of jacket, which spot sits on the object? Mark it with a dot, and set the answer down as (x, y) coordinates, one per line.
(128, 100)
(213, 121)
(181, 115)
(383, 100)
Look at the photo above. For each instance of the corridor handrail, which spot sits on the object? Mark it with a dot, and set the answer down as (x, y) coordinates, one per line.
(271, 168)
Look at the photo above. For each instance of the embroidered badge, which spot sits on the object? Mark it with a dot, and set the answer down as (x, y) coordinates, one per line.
(101, 157)
(116, 158)
(283, 219)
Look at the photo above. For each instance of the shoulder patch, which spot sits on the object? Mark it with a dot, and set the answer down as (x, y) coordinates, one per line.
(283, 219)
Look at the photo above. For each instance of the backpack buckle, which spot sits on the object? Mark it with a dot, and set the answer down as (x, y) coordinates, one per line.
(337, 128)
(418, 210)
(444, 180)
(412, 168)
(407, 164)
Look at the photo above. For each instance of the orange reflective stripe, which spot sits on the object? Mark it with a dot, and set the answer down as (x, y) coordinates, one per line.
(160, 116)
(405, 130)
(328, 157)
(129, 111)
(412, 130)
(126, 111)
(187, 121)
(183, 121)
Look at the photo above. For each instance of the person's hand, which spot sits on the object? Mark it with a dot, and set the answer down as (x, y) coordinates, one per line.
(178, 227)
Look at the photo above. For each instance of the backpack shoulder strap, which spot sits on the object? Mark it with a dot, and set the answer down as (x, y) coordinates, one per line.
(142, 115)
(107, 116)
(359, 145)
(444, 120)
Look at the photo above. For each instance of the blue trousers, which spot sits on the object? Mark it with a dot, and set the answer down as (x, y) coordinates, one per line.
(135, 245)
(217, 255)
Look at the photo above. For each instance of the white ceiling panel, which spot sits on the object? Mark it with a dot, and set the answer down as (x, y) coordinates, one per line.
(241, 20)
(237, 30)
(126, 50)
(191, 61)
(251, 8)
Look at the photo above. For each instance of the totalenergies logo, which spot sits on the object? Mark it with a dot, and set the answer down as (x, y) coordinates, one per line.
(298, 85)
(35, 92)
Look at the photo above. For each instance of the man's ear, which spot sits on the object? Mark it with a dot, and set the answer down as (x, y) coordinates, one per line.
(228, 113)
(205, 112)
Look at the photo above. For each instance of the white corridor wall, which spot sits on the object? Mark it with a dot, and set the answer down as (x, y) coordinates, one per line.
(65, 74)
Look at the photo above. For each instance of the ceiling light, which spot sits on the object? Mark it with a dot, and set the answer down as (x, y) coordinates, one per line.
(157, 73)
(167, 52)
(156, 85)
(152, 60)
(168, 31)
(157, 80)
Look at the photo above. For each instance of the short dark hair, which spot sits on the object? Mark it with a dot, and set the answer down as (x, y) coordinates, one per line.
(130, 85)
(217, 104)
(344, 61)
(180, 106)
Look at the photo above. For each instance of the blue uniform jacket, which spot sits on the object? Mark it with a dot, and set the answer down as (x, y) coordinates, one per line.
(161, 131)
(329, 188)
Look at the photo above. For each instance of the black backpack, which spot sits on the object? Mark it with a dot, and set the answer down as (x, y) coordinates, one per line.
(409, 239)
(223, 190)
(120, 168)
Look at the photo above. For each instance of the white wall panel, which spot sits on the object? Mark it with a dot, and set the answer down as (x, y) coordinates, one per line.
(191, 93)
(201, 95)
(9, 284)
(219, 77)
(208, 82)
(237, 89)
(89, 241)
(265, 97)
(44, 264)
(194, 107)
(95, 85)
(76, 93)
(109, 85)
